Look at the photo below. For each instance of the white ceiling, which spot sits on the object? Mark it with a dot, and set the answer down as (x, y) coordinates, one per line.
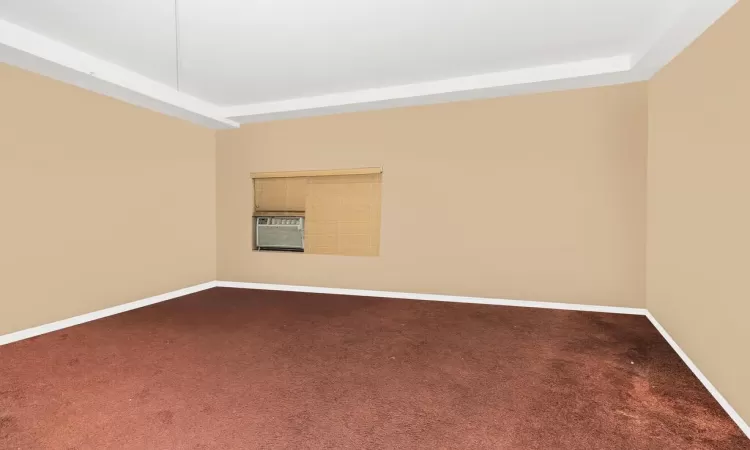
(219, 62)
(273, 50)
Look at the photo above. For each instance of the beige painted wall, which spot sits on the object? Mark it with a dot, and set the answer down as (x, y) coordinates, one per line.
(699, 203)
(102, 202)
(556, 182)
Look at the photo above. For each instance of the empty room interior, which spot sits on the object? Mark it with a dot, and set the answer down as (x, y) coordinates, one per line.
(391, 224)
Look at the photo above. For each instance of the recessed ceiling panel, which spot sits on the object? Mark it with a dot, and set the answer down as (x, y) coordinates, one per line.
(248, 51)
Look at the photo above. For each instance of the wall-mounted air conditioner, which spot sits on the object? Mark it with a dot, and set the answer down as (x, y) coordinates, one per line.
(280, 233)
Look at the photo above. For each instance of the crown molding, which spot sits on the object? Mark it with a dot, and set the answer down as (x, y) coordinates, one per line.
(37, 53)
(497, 84)
(665, 46)
(32, 51)
(678, 35)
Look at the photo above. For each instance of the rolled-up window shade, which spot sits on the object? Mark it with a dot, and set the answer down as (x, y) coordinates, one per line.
(280, 194)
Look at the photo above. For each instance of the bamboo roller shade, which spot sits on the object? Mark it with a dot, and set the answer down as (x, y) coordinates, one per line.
(317, 173)
(342, 215)
(280, 194)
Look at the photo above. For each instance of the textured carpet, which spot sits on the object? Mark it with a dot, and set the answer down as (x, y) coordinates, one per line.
(239, 369)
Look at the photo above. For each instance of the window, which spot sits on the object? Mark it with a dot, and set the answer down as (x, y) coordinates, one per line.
(341, 208)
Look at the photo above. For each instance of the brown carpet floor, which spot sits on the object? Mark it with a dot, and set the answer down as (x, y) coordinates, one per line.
(239, 369)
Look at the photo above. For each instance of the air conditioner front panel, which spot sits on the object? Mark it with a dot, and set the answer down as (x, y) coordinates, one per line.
(281, 234)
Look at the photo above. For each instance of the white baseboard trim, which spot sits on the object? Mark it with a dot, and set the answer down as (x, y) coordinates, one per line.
(431, 297)
(703, 379)
(65, 323)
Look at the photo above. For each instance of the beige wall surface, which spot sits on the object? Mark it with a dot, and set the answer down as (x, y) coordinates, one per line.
(102, 202)
(536, 197)
(699, 203)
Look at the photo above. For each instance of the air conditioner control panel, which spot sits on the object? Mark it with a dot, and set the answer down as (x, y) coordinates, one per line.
(291, 221)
